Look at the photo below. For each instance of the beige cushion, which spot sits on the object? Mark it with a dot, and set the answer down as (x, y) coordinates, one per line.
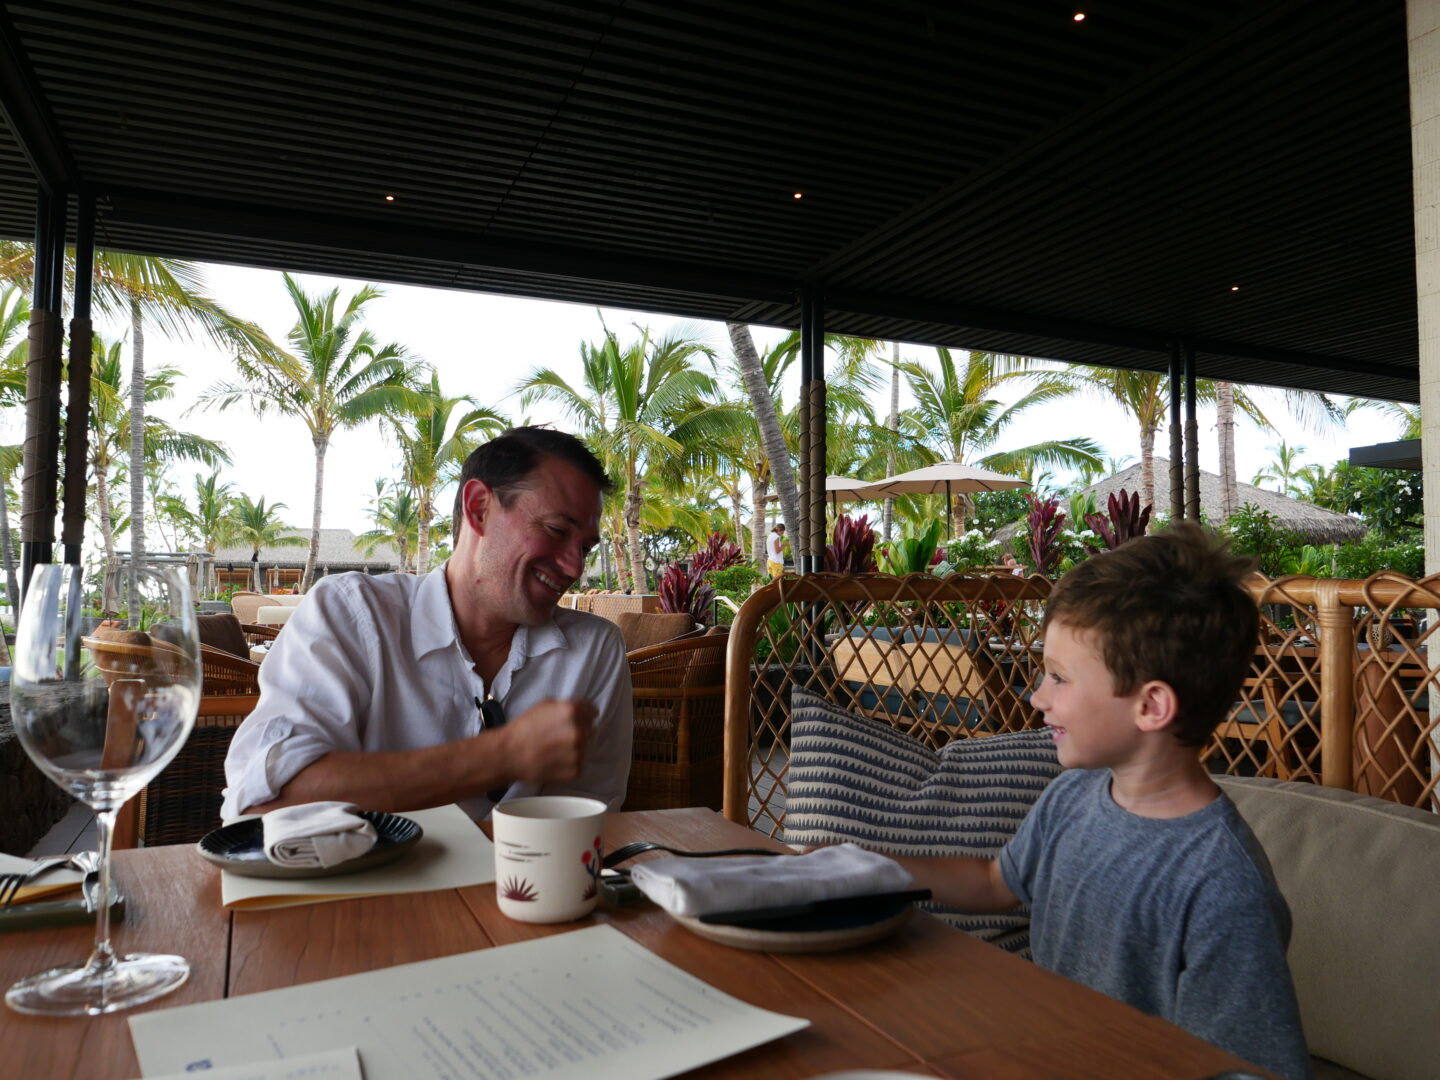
(641, 629)
(1362, 877)
(274, 614)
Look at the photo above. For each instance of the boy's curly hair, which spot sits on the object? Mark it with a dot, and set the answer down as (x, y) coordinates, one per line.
(1170, 607)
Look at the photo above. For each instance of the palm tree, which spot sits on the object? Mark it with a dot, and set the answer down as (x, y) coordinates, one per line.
(1284, 470)
(166, 292)
(336, 377)
(627, 408)
(110, 431)
(1145, 395)
(397, 518)
(958, 417)
(434, 441)
(14, 352)
(256, 525)
(1313, 409)
(755, 372)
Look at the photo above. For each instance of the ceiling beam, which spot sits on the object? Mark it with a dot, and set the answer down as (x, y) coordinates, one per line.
(25, 109)
(408, 240)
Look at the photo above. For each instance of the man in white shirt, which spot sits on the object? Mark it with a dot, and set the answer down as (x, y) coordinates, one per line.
(373, 692)
(775, 562)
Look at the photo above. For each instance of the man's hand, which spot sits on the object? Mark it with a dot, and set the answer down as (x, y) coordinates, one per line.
(547, 742)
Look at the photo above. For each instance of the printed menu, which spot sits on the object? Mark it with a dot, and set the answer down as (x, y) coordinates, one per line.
(587, 1005)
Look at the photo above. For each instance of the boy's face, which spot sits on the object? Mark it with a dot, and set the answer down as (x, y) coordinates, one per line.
(1093, 728)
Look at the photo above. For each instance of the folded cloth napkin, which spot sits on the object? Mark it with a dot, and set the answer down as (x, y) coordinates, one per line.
(705, 886)
(323, 834)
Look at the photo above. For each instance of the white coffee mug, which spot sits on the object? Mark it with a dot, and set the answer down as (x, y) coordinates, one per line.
(547, 857)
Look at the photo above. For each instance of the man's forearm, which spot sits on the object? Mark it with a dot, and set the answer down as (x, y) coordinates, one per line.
(399, 780)
(961, 881)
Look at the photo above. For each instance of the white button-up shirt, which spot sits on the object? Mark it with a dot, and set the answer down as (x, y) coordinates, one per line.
(376, 663)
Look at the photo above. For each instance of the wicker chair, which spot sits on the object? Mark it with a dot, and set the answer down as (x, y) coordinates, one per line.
(182, 804)
(678, 757)
(225, 673)
(255, 634)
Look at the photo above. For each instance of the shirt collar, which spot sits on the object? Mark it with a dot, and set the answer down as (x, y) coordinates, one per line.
(433, 626)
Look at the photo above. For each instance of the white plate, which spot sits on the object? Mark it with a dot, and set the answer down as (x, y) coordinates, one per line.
(862, 930)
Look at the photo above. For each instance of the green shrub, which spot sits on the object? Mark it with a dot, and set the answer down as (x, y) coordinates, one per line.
(1405, 555)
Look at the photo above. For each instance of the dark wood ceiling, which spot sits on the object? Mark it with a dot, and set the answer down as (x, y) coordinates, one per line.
(984, 174)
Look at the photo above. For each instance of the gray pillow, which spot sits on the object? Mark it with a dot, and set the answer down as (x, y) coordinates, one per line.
(856, 779)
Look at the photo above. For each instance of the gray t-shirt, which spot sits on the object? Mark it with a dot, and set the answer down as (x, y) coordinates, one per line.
(1179, 917)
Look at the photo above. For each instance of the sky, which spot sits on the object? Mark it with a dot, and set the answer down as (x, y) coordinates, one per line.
(482, 345)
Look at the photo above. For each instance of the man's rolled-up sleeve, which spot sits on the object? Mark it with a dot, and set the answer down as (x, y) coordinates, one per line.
(312, 688)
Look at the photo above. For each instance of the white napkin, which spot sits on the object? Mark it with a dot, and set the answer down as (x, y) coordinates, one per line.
(703, 886)
(316, 834)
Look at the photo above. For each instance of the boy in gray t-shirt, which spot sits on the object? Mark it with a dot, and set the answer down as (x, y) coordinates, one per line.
(1142, 879)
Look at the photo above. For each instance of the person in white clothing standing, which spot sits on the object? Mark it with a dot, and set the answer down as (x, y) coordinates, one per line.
(776, 541)
(391, 692)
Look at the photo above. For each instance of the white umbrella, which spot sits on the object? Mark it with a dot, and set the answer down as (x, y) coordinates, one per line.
(948, 476)
(848, 489)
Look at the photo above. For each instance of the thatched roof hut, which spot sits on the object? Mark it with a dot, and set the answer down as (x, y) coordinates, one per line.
(281, 566)
(1312, 523)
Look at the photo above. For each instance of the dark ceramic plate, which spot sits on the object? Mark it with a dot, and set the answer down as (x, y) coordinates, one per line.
(240, 848)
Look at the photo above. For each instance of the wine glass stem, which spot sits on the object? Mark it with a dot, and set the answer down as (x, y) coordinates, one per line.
(103, 958)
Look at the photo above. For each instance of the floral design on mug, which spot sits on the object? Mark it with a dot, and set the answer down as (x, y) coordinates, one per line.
(518, 889)
(591, 859)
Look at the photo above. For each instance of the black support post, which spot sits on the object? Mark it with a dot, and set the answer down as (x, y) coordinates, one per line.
(1192, 438)
(1177, 439)
(42, 388)
(77, 409)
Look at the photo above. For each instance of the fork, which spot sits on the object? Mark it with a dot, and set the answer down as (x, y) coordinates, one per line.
(10, 884)
(638, 847)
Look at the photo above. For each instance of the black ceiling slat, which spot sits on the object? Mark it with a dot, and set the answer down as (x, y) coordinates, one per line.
(984, 155)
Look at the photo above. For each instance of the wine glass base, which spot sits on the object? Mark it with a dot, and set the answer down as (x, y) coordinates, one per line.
(75, 991)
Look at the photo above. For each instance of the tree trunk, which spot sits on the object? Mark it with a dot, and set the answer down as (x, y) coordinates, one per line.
(893, 424)
(1147, 464)
(632, 532)
(137, 460)
(255, 569)
(768, 420)
(422, 546)
(622, 560)
(1225, 425)
(12, 585)
(102, 498)
(759, 526)
(322, 443)
(735, 509)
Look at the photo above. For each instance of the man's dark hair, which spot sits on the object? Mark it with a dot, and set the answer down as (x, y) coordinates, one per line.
(504, 464)
(1168, 607)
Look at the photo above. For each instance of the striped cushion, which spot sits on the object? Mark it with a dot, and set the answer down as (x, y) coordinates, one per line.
(856, 779)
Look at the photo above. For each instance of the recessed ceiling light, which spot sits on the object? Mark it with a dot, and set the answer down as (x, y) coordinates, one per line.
(1079, 16)
(1234, 288)
(389, 198)
(799, 195)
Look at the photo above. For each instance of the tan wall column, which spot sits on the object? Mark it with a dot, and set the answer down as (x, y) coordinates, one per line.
(1423, 29)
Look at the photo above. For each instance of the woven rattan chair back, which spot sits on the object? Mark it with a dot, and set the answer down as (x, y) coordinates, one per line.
(678, 754)
(939, 658)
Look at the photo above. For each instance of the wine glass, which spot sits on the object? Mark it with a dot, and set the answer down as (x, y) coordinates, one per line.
(101, 709)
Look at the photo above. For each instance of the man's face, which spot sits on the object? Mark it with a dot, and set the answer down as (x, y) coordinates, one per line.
(534, 549)
(1092, 726)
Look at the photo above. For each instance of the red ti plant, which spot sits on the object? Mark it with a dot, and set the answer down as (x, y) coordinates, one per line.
(687, 590)
(853, 551)
(1044, 519)
(1125, 521)
(719, 553)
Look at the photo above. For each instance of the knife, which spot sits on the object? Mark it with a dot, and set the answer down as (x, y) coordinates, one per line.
(833, 906)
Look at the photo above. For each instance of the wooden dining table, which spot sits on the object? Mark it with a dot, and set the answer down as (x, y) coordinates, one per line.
(929, 1000)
